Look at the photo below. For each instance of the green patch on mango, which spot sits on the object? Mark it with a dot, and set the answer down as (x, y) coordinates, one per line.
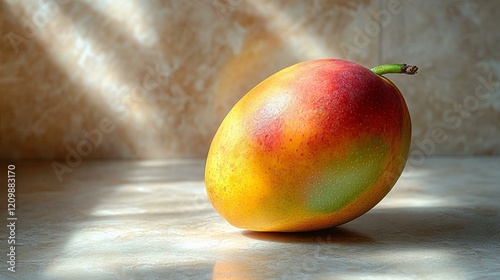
(344, 180)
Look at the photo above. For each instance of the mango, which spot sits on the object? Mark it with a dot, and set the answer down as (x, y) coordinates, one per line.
(313, 146)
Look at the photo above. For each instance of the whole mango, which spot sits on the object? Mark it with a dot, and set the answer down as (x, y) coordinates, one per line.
(313, 146)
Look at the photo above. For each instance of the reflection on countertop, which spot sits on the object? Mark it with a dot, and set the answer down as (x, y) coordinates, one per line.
(151, 219)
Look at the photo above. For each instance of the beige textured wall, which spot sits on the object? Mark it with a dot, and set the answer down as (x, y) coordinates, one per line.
(148, 79)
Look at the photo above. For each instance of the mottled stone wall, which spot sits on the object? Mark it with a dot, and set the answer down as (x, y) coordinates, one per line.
(142, 79)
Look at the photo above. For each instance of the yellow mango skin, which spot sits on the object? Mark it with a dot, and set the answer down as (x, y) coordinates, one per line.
(311, 147)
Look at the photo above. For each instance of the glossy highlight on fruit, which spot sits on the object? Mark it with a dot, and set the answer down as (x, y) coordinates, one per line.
(313, 146)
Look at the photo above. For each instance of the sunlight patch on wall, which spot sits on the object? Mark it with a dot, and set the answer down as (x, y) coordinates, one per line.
(87, 58)
(131, 17)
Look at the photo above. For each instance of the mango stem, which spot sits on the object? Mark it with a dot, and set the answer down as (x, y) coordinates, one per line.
(395, 69)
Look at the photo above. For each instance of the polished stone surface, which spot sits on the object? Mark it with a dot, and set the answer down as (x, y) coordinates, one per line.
(152, 220)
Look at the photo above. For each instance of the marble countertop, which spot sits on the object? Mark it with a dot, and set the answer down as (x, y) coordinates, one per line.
(152, 220)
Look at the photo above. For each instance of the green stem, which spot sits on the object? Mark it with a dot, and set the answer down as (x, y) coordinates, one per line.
(395, 69)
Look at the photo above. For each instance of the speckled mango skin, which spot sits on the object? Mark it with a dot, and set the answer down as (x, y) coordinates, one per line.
(313, 146)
